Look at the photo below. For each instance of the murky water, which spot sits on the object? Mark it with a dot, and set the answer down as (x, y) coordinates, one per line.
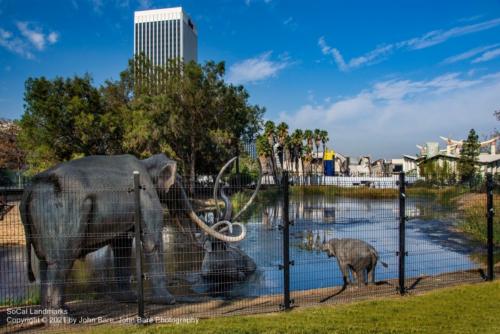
(432, 246)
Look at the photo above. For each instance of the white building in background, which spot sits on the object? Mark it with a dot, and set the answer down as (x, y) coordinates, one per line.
(163, 34)
(488, 160)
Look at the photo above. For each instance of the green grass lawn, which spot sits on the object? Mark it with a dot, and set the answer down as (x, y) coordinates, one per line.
(464, 309)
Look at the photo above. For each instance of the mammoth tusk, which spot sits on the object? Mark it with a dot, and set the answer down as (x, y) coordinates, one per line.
(228, 210)
(216, 187)
(228, 226)
(203, 225)
(259, 181)
(216, 234)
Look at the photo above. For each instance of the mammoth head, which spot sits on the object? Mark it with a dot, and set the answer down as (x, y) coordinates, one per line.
(329, 247)
(161, 170)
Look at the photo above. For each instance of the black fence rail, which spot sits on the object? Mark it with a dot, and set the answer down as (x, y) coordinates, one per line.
(143, 248)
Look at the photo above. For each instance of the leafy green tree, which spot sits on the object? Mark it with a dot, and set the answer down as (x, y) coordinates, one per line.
(64, 119)
(467, 164)
(184, 110)
(191, 114)
(11, 155)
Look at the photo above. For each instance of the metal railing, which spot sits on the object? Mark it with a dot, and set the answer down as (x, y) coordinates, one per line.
(306, 243)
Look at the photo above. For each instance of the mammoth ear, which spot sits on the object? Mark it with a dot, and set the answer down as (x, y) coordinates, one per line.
(162, 170)
(167, 175)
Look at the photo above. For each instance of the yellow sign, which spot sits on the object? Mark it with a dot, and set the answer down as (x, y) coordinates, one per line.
(329, 154)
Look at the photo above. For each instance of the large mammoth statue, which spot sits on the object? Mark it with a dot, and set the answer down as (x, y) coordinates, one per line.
(82, 205)
(223, 262)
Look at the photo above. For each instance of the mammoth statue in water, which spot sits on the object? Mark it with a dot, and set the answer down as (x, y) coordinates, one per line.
(223, 262)
(79, 206)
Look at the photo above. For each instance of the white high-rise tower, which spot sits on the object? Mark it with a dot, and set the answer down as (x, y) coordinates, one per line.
(163, 34)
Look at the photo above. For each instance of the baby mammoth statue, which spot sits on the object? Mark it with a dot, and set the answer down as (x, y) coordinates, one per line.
(356, 256)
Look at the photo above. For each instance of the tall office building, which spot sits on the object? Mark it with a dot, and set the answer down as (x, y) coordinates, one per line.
(163, 34)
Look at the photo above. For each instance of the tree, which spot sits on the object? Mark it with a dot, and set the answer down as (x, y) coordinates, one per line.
(12, 157)
(270, 134)
(64, 119)
(309, 137)
(282, 134)
(467, 163)
(186, 111)
(297, 140)
(324, 139)
(317, 142)
(264, 151)
(191, 114)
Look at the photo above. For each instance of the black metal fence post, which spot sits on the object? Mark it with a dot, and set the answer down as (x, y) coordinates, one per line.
(489, 215)
(138, 247)
(238, 174)
(287, 302)
(402, 234)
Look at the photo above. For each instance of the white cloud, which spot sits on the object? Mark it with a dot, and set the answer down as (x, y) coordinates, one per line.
(255, 69)
(31, 38)
(36, 36)
(440, 36)
(15, 44)
(388, 118)
(426, 40)
(53, 37)
(468, 54)
(487, 56)
(369, 58)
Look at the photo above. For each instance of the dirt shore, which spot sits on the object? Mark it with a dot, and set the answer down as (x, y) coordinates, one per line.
(109, 311)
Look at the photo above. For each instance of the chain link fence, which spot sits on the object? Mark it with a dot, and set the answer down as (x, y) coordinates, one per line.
(305, 240)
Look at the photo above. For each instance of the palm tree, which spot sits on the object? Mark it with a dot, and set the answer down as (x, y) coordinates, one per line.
(317, 141)
(270, 134)
(324, 139)
(308, 157)
(263, 150)
(297, 140)
(308, 135)
(282, 133)
(289, 149)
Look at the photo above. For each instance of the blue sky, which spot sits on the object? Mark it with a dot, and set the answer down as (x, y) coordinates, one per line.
(380, 76)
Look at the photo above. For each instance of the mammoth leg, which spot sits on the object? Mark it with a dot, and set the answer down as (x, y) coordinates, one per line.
(371, 274)
(52, 278)
(361, 277)
(153, 250)
(122, 255)
(344, 269)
